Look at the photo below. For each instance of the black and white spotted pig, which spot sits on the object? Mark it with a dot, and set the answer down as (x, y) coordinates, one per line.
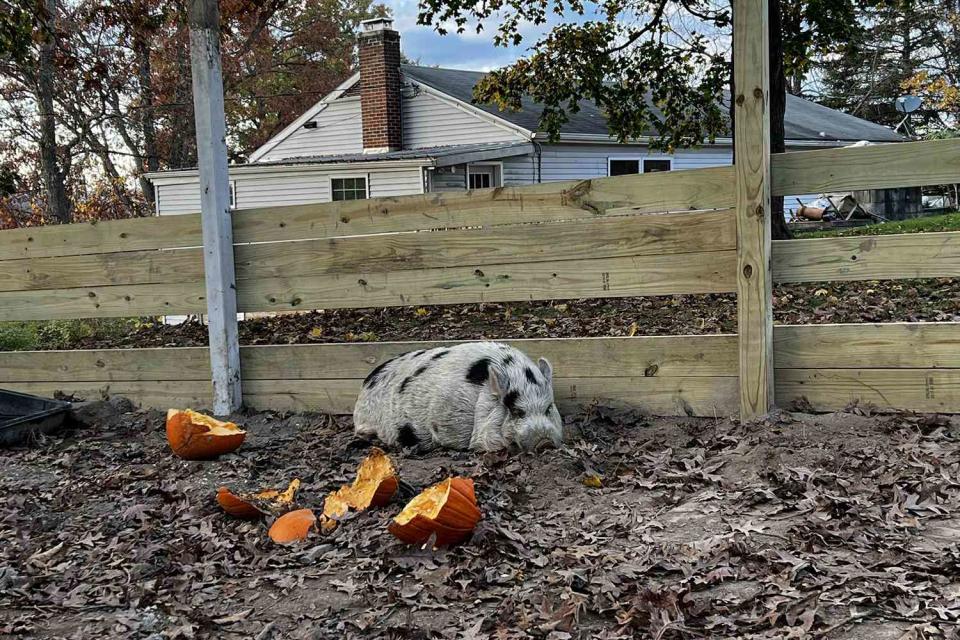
(478, 395)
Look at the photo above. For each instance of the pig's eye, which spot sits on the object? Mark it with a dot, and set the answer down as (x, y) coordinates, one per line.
(517, 412)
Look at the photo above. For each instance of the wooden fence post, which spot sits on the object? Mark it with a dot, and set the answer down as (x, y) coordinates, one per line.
(751, 59)
(215, 205)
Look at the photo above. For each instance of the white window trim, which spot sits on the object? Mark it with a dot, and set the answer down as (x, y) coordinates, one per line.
(498, 172)
(232, 189)
(341, 176)
(640, 158)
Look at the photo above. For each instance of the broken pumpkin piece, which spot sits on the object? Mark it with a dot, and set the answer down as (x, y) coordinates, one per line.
(374, 486)
(447, 510)
(195, 436)
(253, 505)
(293, 526)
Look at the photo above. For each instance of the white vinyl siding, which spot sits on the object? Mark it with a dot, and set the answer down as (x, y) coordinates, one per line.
(429, 121)
(285, 188)
(339, 130)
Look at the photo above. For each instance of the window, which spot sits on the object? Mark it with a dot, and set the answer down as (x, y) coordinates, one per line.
(654, 166)
(631, 166)
(624, 167)
(348, 189)
(480, 180)
(483, 176)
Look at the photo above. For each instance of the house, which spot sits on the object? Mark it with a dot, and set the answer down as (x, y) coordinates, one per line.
(395, 129)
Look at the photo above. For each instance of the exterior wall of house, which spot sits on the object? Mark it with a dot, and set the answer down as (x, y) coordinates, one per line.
(182, 195)
(339, 130)
(429, 121)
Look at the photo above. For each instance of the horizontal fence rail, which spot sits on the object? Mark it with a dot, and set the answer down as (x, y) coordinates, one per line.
(624, 255)
(668, 375)
(904, 366)
(881, 166)
(887, 257)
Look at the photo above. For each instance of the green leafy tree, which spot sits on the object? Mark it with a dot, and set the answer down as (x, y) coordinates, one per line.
(650, 65)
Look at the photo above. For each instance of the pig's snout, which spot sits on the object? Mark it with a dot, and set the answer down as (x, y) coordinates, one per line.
(539, 436)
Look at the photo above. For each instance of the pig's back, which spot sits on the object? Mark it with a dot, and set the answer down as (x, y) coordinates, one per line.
(431, 393)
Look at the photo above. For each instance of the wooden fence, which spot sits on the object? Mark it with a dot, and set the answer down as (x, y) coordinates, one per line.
(584, 239)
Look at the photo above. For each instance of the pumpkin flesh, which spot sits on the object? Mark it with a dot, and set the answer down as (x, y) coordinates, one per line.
(374, 486)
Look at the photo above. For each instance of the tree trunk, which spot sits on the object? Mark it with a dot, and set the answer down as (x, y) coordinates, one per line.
(149, 160)
(778, 107)
(57, 204)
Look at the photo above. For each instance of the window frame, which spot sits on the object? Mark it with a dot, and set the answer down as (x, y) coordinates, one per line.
(350, 176)
(668, 159)
(496, 174)
(640, 159)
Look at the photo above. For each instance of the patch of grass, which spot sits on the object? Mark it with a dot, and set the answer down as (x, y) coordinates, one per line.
(62, 334)
(929, 224)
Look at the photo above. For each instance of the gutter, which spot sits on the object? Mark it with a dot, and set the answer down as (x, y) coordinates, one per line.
(595, 138)
(293, 167)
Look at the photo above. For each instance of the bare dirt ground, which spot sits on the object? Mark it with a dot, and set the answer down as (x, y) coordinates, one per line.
(838, 526)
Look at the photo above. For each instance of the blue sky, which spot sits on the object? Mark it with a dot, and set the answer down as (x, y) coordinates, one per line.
(469, 50)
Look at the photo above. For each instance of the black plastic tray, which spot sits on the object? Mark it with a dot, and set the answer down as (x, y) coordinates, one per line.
(23, 416)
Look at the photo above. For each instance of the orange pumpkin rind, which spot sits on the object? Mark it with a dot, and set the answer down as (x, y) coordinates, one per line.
(294, 526)
(251, 506)
(195, 436)
(447, 510)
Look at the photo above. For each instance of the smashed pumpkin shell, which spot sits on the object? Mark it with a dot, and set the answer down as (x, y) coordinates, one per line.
(293, 526)
(447, 510)
(195, 436)
(374, 486)
(253, 505)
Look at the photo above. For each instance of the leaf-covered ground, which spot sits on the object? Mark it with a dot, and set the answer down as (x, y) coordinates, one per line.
(836, 526)
(934, 300)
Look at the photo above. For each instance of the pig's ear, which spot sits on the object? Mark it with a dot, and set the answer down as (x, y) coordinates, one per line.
(496, 384)
(545, 369)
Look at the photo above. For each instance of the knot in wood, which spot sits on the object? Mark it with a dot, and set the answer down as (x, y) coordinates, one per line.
(747, 271)
(740, 100)
(759, 212)
(758, 93)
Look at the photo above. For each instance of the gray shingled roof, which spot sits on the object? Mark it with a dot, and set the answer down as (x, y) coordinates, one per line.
(805, 120)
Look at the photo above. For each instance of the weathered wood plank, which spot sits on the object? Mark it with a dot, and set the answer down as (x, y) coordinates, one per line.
(711, 272)
(923, 390)
(867, 346)
(601, 238)
(702, 396)
(684, 356)
(152, 394)
(710, 188)
(104, 269)
(752, 151)
(103, 302)
(904, 164)
(106, 365)
(100, 237)
(913, 255)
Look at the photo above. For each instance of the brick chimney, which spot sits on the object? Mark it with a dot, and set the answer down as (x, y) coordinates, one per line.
(380, 86)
